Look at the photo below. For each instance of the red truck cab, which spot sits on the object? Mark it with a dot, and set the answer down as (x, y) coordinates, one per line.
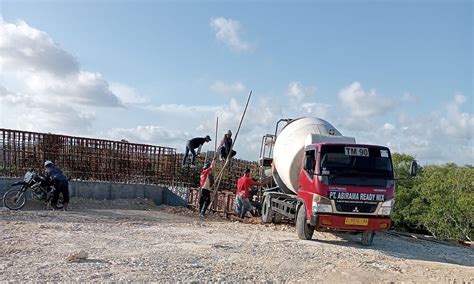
(346, 187)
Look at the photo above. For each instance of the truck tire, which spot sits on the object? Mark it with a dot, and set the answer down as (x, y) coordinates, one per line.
(267, 212)
(303, 229)
(367, 238)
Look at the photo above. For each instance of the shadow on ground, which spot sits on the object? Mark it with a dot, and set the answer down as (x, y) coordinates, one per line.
(406, 248)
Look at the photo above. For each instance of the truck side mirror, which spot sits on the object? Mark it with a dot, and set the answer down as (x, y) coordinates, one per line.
(413, 168)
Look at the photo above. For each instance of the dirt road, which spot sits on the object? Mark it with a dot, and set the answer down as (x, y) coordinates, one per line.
(154, 245)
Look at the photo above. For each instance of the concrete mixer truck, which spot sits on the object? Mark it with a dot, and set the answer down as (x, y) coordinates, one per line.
(322, 180)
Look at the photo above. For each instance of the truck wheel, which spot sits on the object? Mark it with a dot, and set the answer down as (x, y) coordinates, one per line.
(267, 212)
(367, 238)
(305, 231)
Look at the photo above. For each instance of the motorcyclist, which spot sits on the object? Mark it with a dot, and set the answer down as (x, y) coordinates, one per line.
(55, 177)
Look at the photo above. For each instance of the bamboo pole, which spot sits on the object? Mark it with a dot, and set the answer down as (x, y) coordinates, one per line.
(215, 140)
(219, 176)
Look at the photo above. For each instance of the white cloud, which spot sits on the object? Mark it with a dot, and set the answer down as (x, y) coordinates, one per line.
(315, 109)
(440, 137)
(455, 122)
(183, 110)
(228, 32)
(300, 92)
(23, 112)
(357, 124)
(27, 49)
(83, 88)
(51, 92)
(9, 97)
(227, 89)
(361, 104)
(388, 127)
(459, 99)
(151, 134)
(409, 97)
(62, 119)
(127, 94)
(47, 71)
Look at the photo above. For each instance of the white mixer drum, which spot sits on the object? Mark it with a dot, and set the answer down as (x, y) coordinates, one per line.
(289, 148)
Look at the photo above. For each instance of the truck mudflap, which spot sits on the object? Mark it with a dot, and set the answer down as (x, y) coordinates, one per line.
(350, 223)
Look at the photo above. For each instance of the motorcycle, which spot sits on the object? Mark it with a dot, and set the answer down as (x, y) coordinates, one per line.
(15, 198)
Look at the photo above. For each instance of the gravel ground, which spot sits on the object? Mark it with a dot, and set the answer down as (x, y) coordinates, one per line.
(169, 244)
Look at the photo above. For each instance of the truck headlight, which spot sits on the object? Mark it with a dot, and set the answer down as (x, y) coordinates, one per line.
(321, 204)
(386, 207)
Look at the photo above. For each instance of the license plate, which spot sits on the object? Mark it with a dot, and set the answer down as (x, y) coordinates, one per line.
(357, 221)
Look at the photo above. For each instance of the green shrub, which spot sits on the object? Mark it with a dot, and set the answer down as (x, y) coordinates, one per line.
(404, 195)
(440, 200)
(446, 201)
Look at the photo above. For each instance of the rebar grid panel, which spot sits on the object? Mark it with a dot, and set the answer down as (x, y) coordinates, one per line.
(229, 177)
(86, 158)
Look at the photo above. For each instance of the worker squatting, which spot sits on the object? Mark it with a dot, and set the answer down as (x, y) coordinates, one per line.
(244, 200)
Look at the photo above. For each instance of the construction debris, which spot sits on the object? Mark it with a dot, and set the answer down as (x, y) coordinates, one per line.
(77, 256)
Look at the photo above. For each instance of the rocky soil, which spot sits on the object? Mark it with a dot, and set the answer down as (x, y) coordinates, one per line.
(135, 240)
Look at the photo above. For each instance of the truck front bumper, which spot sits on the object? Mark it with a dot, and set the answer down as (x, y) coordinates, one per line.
(341, 222)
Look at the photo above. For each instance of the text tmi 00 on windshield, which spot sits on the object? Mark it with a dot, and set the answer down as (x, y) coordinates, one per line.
(356, 151)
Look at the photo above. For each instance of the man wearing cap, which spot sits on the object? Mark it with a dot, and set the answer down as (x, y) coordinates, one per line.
(226, 145)
(193, 144)
(207, 181)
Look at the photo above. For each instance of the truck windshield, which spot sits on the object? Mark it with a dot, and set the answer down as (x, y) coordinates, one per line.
(356, 165)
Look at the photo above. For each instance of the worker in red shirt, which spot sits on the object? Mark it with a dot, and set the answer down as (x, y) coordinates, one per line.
(243, 192)
(207, 181)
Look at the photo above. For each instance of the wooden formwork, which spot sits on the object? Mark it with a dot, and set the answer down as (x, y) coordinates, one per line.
(224, 204)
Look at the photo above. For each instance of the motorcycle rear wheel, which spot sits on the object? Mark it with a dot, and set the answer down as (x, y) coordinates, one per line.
(14, 198)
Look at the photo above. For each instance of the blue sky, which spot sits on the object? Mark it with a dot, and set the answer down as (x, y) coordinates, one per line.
(391, 73)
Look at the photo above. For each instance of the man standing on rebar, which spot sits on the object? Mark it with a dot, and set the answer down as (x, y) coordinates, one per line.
(193, 144)
(207, 182)
(226, 145)
(59, 181)
(243, 193)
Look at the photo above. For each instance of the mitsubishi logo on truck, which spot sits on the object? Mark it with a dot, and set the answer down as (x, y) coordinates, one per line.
(356, 210)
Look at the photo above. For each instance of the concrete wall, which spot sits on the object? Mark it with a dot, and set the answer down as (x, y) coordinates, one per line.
(109, 191)
(5, 184)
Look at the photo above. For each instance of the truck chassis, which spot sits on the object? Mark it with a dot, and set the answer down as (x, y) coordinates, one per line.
(277, 205)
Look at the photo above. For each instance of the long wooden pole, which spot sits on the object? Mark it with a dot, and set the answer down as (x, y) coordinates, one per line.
(219, 176)
(215, 140)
